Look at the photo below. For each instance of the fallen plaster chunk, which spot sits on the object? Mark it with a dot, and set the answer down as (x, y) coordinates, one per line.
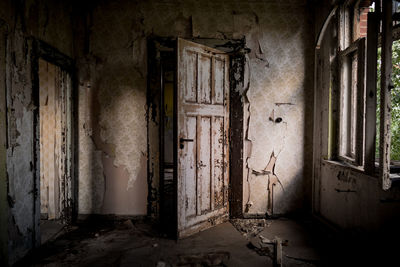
(264, 240)
(260, 250)
(127, 225)
(217, 258)
(250, 227)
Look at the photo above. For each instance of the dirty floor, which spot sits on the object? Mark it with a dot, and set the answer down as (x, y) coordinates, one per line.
(49, 230)
(235, 243)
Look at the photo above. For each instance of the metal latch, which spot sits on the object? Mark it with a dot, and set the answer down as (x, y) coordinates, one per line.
(182, 140)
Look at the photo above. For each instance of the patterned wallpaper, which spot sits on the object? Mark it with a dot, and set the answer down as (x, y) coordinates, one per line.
(279, 34)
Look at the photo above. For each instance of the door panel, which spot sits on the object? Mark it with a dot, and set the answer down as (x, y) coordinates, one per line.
(190, 171)
(191, 78)
(204, 68)
(218, 160)
(203, 164)
(219, 81)
(202, 121)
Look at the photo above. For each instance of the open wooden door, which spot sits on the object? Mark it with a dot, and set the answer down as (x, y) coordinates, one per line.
(202, 137)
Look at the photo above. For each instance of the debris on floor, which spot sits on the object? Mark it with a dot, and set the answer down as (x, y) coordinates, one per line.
(204, 259)
(244, 242)
(52, 229)
(127, 225)
(267, 247)
(260, 250)
(250, 227)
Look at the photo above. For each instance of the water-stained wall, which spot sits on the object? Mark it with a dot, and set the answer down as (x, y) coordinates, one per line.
(113, 133)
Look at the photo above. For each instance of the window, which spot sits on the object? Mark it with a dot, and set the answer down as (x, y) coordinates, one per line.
(351, 75)
(368, 93)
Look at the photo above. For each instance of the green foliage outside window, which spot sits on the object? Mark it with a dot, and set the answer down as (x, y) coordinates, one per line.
(395, 94)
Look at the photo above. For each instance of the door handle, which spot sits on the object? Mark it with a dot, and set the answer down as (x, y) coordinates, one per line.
(182, 140)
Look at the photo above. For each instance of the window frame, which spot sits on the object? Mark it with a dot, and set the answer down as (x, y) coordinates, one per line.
(379, 31)
(350, 146)
(385, 93)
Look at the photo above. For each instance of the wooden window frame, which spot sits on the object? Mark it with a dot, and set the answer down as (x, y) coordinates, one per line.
(369, 99)
(386, 86)
(347, 49)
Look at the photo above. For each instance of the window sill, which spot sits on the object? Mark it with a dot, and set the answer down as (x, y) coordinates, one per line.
(345, 165)
(394, 177)
(394, 171)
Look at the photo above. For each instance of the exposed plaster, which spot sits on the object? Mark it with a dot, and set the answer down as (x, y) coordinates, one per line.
(273, 180)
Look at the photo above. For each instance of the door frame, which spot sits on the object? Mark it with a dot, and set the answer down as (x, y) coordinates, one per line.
(42, 50)
(236, 49)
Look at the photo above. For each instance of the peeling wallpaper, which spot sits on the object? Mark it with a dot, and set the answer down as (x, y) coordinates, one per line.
(278, 96)
(280, 37)
(117, 123)
(112, 128)
(279, 101)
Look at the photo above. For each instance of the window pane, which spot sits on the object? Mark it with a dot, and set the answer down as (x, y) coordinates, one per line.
(353, 107)
(348, 106)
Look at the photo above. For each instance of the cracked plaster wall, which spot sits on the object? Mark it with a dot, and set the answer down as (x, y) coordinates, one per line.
(278, 112)
(24, 20)
(112, 96)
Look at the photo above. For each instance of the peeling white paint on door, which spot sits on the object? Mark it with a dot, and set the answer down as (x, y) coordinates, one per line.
(203, 123)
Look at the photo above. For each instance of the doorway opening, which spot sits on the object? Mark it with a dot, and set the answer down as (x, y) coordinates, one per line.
(167, 134)
(55, 148)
